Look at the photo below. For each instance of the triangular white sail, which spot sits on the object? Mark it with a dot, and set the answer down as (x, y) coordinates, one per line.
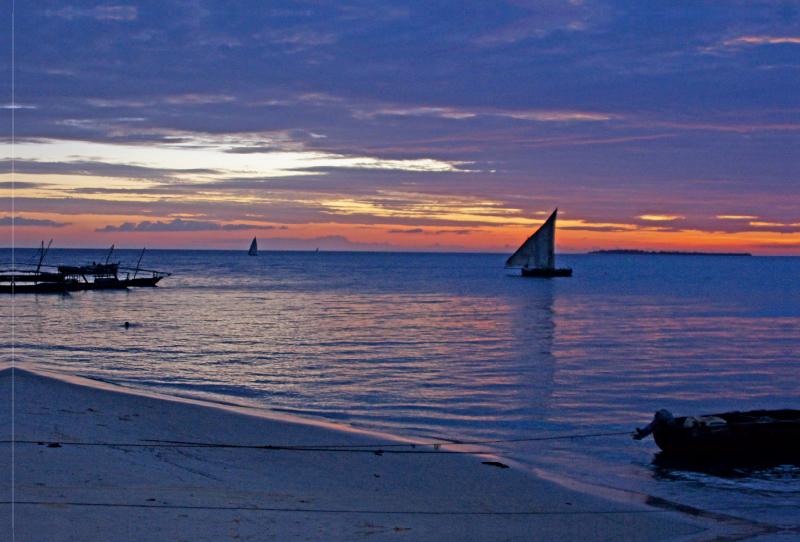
(539, 250)
(253, 248)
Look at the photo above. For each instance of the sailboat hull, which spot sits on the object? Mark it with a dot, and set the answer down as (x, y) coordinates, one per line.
(545, 273)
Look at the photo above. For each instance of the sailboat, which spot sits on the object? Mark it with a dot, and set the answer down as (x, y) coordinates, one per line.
(536, 256)
(253, 248)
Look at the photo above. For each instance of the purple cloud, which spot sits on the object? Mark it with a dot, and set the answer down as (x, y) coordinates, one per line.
(21, 221)
(180, 225)
(413, 230)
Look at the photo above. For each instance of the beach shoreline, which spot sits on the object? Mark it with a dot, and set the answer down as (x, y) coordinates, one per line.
(92, 460)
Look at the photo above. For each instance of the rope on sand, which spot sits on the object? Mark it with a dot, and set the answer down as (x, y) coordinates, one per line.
(343, 511)
(364, 448)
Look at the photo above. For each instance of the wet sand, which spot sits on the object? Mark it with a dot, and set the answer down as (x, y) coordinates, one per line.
(86, 466)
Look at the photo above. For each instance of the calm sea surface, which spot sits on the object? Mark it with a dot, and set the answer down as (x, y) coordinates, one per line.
(452, 346)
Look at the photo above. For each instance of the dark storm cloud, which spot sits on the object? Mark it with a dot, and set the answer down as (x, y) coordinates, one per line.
(179, 225)
(22, 221)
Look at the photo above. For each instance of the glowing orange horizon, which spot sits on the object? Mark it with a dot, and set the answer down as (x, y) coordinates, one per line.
(80, 233)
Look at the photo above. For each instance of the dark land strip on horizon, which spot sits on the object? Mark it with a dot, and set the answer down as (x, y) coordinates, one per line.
(637, 252)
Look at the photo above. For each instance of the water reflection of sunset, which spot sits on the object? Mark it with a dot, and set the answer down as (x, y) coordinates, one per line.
(422, 335)
(443, 345)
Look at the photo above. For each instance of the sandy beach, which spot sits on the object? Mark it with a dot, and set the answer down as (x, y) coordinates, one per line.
(92, 461)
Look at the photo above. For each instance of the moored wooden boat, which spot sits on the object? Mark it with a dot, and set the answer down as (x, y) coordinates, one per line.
(756, 434)
(25, 287)
(140, 282)
(31, 278)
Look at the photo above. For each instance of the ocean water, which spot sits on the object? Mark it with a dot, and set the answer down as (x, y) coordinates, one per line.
(454, 347)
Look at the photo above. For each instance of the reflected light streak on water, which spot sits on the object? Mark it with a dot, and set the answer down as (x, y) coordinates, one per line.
(451, 346)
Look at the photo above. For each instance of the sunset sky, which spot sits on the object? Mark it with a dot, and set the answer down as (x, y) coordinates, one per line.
(402, 125)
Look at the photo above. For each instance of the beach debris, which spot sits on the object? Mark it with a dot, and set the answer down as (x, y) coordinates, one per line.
(496, 464)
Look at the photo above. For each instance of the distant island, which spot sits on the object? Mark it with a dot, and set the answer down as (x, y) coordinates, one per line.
(667, 252)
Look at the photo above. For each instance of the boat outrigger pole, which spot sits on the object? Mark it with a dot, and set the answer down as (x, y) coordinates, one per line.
(109, 254)
(44, 251)
(137, 263)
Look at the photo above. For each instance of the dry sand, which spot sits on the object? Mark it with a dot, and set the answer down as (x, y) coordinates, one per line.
(148, 492)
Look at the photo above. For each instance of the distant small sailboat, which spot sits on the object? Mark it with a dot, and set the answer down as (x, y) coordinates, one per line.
(253, 248)
(536, 256)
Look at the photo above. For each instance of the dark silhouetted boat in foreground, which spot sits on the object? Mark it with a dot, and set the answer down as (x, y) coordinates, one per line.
(30, 279)
(25, 283)
(91, 277)
(24, 278)
(754, 434)
(108, 276)
(536, 257)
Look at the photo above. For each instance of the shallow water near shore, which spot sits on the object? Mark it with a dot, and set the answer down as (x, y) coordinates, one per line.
(451, 346)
